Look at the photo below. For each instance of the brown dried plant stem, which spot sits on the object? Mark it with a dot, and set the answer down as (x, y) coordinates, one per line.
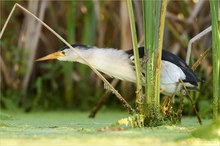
(102, 100)
(159, 51)
(201, 58)
(190, 98)
(110, 87)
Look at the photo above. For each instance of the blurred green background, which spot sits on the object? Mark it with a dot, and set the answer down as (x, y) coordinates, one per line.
(29, 86)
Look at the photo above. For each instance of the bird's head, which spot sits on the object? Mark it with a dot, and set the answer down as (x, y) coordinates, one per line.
(64, 54)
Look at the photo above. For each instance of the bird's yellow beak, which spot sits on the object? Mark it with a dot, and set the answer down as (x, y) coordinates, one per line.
(51, 56)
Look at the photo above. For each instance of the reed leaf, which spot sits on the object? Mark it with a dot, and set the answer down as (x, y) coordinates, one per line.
(214, 4)
(148, 9)
(68, 66)
(159, 45)
(139, 94)
(154, 17)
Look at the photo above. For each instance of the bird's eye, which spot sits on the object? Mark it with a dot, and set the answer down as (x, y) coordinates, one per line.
(63, 52)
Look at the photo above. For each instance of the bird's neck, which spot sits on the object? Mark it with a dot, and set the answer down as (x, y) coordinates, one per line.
(115, 63)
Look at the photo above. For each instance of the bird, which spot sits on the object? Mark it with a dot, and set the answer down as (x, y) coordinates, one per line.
(120, 64)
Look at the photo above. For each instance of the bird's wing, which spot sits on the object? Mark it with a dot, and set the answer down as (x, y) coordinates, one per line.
(190, 75)
(170, 73)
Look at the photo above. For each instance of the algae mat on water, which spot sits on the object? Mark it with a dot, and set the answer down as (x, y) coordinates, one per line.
(75, 128)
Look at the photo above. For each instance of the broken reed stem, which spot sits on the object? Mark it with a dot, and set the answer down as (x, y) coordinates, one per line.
(113, 90)
(6, 22)
(192, 40)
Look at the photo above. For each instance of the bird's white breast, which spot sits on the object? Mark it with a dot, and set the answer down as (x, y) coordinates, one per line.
(170, 73)
(169, 77)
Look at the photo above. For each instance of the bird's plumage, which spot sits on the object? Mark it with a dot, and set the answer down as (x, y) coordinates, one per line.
(173, 68)
(79, 46)
(115, 63)
(170, 57)
(190, 75)
(119, 64)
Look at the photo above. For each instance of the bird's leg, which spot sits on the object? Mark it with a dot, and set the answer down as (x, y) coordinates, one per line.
(164, 107)
(177, 85)
(167, 105)
(193, 104)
